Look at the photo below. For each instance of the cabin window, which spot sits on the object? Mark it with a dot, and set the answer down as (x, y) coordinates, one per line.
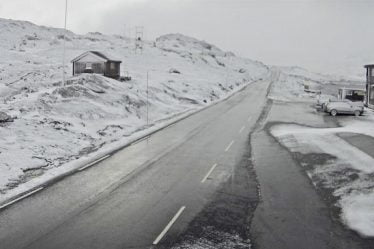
(88, 65)
(112, 66)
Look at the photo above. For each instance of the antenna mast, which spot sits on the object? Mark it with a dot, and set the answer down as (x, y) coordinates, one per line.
(139, 35)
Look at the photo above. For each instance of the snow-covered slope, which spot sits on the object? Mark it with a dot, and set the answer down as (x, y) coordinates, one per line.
(57, 123)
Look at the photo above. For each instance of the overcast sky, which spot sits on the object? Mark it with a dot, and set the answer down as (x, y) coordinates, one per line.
(322, 35)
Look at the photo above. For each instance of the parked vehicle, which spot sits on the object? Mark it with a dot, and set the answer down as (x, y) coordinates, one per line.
(345, 107)
(323, 100)
(307, 89)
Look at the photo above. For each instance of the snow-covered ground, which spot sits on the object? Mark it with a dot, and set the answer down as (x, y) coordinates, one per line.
(292, 81)
(341, 167)
(56, 124)
(347, 170)
(59, 127)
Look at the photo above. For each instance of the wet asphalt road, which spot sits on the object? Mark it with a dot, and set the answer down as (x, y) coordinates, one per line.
(291, 213)
(128, 200)
(362, 142)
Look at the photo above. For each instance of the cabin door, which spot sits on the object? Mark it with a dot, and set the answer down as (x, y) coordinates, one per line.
(371, 94)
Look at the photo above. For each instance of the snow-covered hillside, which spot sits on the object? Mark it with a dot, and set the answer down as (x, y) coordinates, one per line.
(55, 124)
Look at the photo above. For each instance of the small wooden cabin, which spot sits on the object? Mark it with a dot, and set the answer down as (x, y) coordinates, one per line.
(98, 63)
(369, 102)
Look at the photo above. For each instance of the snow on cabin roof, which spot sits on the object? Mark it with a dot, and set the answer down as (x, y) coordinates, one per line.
(98, 54)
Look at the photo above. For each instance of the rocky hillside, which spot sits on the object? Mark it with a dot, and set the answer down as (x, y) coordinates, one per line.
(49, 124)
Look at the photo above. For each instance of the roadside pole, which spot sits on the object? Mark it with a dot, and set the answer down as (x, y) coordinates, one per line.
(147, 98)
(63, 54)
(147, 107)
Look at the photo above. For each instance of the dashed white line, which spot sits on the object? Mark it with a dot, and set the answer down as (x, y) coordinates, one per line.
(209, 172)
(166, 229)
(229, 146)
(242, 129)
(94, 162)
(22, 197)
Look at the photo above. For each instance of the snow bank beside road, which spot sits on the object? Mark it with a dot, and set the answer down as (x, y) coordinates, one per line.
(337, 165)
(358, 212)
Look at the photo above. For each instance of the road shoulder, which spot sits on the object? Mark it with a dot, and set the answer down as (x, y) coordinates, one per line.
(295, 211)
(290, 214)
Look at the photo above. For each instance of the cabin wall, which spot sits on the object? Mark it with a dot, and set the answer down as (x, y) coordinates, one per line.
(97, 67)
(370, 95)
(112, 69)
(370, 87)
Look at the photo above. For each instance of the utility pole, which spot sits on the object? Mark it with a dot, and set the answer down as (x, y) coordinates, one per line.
(147, 107)
(147, 99)
(148, 71)
(64, 49)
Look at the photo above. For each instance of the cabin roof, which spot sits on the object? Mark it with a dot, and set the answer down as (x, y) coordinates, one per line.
(369, 66)
(101, 55)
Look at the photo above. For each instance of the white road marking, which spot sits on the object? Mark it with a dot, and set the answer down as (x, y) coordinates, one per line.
(22, 197)
(249, 119)
(166, 229)
(140, 140)
(209, 172)
(94, 162)
(229, 146)
(242, 129)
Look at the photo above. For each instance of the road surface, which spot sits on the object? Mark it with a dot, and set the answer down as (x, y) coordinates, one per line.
(293, 213)
(146, 194)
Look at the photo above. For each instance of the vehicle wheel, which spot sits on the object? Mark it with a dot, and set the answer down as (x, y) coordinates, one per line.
(333, 112)
(357, 113)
